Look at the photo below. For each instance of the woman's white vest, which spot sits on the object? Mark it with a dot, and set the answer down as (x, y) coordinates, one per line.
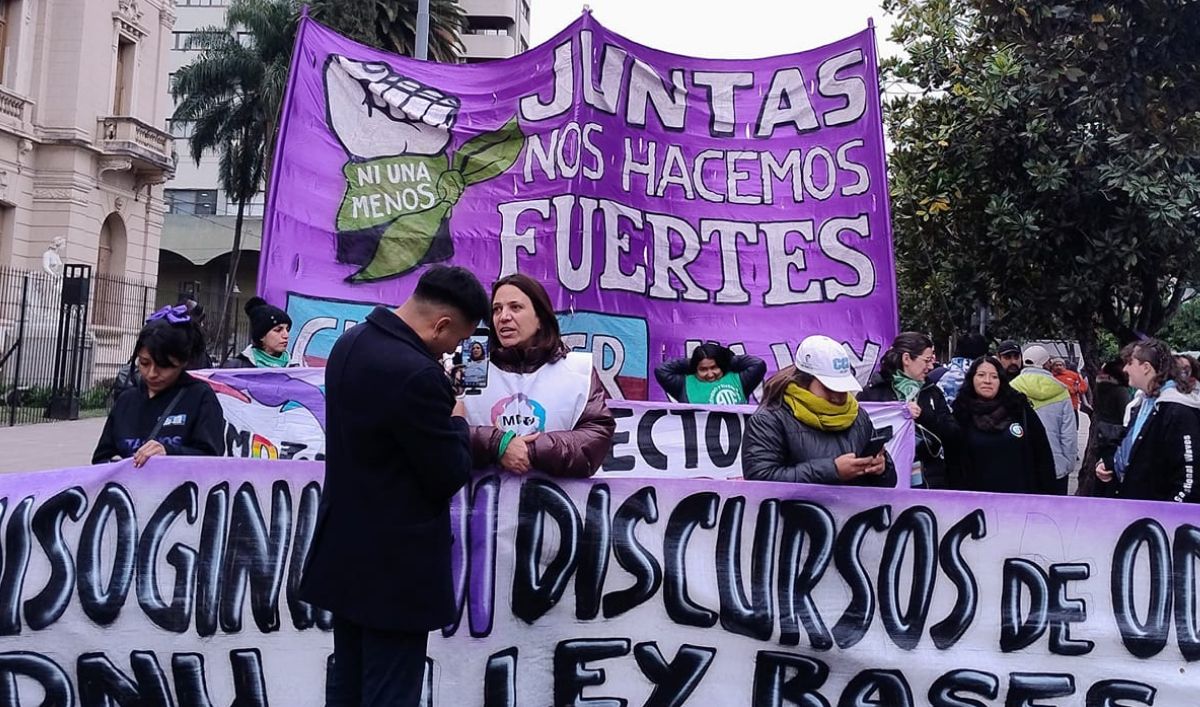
(550, 399)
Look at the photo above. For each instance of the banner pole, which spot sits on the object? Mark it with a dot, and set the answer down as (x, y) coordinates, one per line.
(422, 47)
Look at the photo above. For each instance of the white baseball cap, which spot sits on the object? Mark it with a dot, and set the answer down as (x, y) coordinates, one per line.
(1036, 355)
(827, 361)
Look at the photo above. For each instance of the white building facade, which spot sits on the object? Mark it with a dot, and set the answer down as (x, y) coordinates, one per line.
(82, 151)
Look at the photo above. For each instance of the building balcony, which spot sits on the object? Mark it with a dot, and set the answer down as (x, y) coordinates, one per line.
(14, 110)
(488, 46)
(129, 144)
(489, 8)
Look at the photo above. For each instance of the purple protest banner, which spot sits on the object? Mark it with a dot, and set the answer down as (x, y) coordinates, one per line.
(662, 200)
(176, 584)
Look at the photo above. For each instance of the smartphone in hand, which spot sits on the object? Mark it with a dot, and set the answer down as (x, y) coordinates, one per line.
(475, 357)
(875, 445)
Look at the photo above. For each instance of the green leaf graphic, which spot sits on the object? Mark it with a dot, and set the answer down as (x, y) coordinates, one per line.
(382, 190)
(489, 155)
(412, 196)
(405, 243)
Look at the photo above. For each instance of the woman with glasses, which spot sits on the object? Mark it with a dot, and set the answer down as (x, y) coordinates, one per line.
(904, 376)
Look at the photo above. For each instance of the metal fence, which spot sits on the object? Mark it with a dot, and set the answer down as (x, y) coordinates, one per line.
(64, 339)
(236, 327)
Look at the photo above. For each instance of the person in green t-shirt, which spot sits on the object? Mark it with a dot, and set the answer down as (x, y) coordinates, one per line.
(712, 376)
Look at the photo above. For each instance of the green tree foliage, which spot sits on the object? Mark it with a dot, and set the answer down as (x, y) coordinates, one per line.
(1183, 333)
(1046, 163)
(392, 24)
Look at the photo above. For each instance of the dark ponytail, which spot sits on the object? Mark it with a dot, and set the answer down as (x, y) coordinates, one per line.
(912, 343)
(1158, 354)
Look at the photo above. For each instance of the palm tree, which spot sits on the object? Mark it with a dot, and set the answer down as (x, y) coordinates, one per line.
(391, 24)
(396, 28)
(231, 95)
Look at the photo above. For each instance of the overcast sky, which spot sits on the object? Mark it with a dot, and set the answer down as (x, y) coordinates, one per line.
(726, 29)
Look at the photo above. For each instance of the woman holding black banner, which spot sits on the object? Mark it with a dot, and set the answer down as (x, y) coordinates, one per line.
(904, 376)
(712, 376)
(543, 407)
(810, 429)
(168, 412)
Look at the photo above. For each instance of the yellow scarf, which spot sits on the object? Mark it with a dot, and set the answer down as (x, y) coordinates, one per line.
(817, 412)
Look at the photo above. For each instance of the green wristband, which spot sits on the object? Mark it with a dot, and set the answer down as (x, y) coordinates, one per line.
(507, 439)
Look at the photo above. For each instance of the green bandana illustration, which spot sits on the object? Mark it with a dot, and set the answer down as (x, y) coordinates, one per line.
(401, 187)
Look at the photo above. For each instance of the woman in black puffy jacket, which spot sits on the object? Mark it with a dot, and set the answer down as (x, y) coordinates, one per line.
(903, 376)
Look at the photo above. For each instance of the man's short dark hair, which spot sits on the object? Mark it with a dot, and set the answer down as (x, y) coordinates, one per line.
(455, 287)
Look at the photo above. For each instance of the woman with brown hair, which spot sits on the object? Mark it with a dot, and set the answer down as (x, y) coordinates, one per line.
(543, 407)
(1156, 460)
(904, 376)
(810, 429)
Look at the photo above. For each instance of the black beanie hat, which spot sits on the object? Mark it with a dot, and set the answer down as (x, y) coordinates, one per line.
(263, 318)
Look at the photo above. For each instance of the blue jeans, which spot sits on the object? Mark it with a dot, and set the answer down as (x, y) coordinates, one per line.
(373, 668)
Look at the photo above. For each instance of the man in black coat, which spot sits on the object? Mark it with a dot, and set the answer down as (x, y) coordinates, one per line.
(396, 452)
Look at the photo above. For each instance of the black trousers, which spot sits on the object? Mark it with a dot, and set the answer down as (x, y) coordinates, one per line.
(372, 668)
(1062, 486)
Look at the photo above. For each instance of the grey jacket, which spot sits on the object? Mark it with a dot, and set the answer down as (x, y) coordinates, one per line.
(1052, 403)
(778, 447)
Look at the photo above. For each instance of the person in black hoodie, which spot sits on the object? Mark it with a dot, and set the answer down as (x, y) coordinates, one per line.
(1004, 447)
(904, 375)
(168, 411)
(1156, 460)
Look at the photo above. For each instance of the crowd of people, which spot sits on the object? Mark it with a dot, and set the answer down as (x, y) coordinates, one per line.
(999, 420)
(1002, 421)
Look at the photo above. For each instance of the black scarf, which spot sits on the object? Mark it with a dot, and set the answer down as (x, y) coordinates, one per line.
(986, 415)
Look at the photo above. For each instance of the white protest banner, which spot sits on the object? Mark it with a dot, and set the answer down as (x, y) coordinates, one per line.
(174, 584)
(280, 414)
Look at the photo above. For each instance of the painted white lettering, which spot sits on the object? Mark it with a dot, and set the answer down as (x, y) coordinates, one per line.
(853, 88)
(617, 241)
(727, 233)
(666, 264)
(721, 87)
(512, 240)
(786, 102)
(833, 248)
(781, 261)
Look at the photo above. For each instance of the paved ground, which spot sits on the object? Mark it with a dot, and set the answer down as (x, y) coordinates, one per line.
(49, 445)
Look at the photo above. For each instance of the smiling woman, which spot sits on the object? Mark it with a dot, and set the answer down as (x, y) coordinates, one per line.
(543, 407)
(904, 376)
(712, 376)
